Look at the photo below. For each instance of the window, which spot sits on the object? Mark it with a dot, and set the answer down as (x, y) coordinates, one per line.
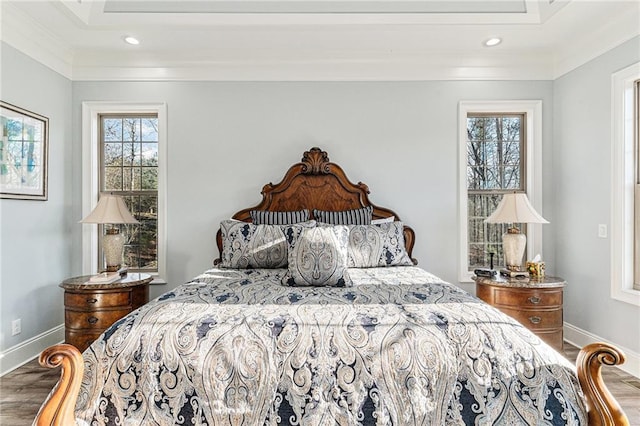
(495, 165)
(124, 153)
(129, 168)
(500, 152)
(624, 167)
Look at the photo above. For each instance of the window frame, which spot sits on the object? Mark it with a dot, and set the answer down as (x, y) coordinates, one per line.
(91, 112)
(532, 167)
(623, 172)
(636, 195)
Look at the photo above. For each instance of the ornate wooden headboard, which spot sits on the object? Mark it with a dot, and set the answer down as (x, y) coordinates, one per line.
(317, 183)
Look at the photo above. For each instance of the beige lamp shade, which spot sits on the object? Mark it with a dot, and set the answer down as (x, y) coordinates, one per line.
(110, 209)
(514, 208)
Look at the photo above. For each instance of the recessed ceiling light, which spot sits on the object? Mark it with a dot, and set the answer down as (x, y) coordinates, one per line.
(493, 41)
(131, 40)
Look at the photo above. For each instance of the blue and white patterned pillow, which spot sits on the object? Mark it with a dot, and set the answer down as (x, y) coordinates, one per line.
(318, 257)
(372, 246)
(263, 217)
(246, 245)
(361, 216)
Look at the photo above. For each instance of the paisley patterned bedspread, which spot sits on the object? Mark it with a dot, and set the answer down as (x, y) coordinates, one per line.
(400, 347)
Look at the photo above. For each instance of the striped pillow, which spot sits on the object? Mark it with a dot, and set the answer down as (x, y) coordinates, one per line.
(263, 217)
(345, 217)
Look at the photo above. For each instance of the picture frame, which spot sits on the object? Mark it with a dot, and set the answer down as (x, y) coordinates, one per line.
(24, 153)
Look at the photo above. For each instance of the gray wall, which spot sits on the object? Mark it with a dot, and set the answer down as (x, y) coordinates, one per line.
(582, 200)
(35, 235)
(226, 140)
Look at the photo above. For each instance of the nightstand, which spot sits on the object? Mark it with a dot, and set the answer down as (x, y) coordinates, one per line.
(91, 308)
(536, 303)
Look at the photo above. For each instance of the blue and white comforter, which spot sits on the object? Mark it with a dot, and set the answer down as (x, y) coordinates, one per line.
(400, 347)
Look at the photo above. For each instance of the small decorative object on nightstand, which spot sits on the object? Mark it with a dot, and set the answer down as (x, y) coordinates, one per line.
(535, 302)
(90, 308)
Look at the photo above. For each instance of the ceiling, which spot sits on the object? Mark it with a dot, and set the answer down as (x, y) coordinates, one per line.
(298, 40)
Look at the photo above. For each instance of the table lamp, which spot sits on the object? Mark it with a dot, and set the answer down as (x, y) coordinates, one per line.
(514, 208)
(111, 210)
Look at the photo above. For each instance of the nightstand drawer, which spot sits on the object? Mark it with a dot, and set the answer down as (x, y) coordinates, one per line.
(536, 319)
(93, 320)
(96, 300)
(528, 298)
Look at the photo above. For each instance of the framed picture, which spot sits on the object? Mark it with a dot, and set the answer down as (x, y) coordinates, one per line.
(23, 153)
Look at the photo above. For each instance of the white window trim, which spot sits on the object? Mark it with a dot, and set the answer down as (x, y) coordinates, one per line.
(533, 109)
(90, 155)
(622, 184)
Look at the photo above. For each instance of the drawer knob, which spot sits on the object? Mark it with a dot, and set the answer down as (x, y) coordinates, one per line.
(92, 320)
(535, 320)
(92, 300)
(534, 299)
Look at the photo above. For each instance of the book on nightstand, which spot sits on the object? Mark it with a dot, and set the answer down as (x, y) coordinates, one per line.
(484, 272)
(104, 278)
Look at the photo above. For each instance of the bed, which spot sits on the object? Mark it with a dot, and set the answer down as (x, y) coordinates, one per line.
(307, 323)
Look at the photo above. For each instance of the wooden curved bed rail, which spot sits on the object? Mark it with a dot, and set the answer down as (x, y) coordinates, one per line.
(60, 405)
(602, 407)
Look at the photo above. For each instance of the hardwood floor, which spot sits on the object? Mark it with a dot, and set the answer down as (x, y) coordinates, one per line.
(23, 390)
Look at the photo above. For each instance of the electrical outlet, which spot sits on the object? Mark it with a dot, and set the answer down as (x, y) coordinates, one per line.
(602, 231)
(16, 327)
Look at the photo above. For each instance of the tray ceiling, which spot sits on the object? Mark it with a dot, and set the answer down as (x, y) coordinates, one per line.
(287, 40)
(317, 6)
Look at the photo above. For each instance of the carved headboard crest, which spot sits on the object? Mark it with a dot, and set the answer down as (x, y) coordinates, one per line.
(315, 162)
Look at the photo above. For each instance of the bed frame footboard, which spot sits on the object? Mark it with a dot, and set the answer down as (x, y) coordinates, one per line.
(603, 409)
(60, 405)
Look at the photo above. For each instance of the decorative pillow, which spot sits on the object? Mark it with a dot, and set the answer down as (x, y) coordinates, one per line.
(383, 220)
(246, 245)
(377, 245)
(345, 217)
(318, 257)
(263, 217)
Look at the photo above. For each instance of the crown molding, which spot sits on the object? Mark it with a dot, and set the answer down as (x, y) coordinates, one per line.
(614, 32)
(29, 37)
(367, 66)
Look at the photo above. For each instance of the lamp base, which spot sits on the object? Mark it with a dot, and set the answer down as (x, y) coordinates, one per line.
(513, 245)
(113, 245)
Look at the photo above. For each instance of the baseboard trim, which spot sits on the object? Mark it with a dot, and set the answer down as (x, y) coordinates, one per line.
(24, 352)
(578, 337)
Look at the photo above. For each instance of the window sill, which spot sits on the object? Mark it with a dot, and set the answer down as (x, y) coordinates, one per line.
(626, 295)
